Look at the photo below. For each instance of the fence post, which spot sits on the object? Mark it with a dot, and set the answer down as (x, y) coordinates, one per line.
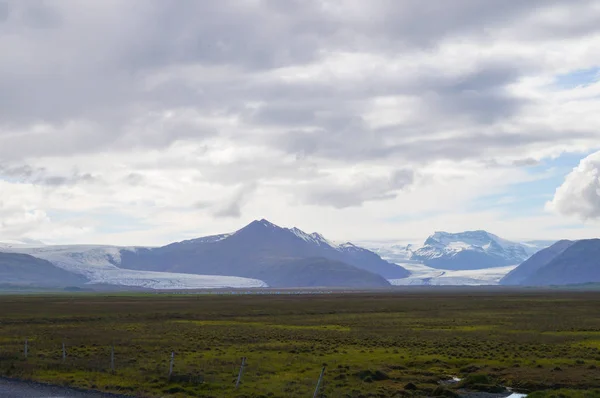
(26, 348)
(64, 352)
(319, 383)
(112, 358)
(172, 363)
(239, 379)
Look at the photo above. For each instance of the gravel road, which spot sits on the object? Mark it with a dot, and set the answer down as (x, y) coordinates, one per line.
(24, 389)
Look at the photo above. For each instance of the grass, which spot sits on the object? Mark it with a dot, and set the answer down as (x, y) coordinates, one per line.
(379, 345)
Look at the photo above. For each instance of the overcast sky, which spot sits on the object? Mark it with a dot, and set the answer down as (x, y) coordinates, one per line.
(150, 121)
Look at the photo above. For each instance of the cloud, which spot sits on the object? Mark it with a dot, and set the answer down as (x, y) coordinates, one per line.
(202, 113)
(233, 206)
(26, 174)
(579, 195)
(357, 189)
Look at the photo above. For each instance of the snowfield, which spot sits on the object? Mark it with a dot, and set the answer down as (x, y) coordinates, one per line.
(99, 265)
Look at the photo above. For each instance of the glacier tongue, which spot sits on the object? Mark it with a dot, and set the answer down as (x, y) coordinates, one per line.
(422, 275)
(99, 265)
(168, 280)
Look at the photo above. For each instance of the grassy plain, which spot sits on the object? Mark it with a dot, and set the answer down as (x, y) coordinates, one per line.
(373, 345)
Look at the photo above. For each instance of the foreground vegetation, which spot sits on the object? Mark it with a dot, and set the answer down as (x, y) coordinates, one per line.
(373, 345)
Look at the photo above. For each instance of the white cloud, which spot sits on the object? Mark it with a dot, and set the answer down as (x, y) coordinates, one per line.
(579, 195)
(133, 122)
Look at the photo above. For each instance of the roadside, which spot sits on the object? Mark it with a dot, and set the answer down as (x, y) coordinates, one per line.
(11, 388)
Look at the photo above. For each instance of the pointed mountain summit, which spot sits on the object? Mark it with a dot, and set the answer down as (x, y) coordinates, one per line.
(279, 256)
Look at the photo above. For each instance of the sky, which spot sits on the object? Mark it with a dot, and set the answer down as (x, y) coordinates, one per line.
(144, 122)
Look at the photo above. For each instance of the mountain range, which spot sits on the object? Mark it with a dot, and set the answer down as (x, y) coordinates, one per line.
(261, 252)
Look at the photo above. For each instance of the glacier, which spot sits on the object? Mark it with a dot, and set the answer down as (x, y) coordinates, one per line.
(99, 264)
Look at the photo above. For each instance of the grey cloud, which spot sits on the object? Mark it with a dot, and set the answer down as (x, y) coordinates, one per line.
(338, 132)
(149, 35)
(100, 76)
(233, 206)
(408, 23)
(4, 11)
(362, 189)
(56, 181)
(40, 176)
(21, 172)
(134, 179)
(526, 162)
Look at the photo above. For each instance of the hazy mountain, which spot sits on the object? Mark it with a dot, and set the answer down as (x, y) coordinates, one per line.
(265, 251)
(23, 269)
(535, 263)
(22, 243)
(578, 263)
(470, 250)
(534, 246)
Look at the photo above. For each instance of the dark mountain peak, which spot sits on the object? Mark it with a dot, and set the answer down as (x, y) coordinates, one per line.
(264, 223)
(260, 226)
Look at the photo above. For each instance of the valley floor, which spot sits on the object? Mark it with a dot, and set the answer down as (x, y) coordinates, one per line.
(371, 344)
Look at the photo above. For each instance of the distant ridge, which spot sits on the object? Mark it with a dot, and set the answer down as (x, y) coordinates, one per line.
(25, 270)
(535, 263)
(565, 263)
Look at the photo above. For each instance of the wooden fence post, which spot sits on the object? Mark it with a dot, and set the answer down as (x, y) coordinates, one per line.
(26, 348)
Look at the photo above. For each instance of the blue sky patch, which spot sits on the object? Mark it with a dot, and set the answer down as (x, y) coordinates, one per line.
(529, 198)
(578, 78)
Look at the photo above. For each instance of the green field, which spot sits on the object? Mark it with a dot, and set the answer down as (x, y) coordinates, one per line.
(372, 345)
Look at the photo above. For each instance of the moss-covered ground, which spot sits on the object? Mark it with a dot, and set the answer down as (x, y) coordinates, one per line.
(372, 345)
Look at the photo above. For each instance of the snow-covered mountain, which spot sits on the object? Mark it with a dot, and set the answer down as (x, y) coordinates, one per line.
(471, 250)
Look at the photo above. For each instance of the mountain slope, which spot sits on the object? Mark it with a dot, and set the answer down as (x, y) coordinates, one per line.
(469, 250)
(579, 263)
(535, 263)
(23, 269)
(261, 246)
(318, 272)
